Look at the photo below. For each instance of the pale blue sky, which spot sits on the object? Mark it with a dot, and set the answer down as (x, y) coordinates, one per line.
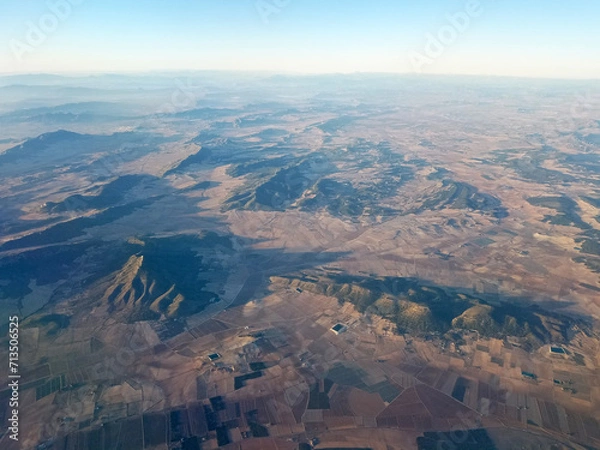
(541, 38)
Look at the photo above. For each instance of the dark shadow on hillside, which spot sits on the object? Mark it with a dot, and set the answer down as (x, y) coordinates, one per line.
(104, 205)
(151, 275)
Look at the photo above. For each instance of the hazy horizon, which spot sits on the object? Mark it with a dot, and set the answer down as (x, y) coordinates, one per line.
(269, 73)
(472, 37)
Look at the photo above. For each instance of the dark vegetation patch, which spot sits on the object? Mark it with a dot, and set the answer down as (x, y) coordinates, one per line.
(590, 287)
(439, 174)
(336, 124)
(579, 359)
(155, 429)
(568, 215)
(192, 443)
(459, 195)
(276, 192)
(591, 263)
(50, 323)
(257, 366)
(49, 387)
(318, 399)
(529, 165)
(338, 197)
(200, 157)
(260, 168)
(589, 246)
(275, 183)
(590, 242)
(566, 208)
(592, 139)
(583, 162)
(206, 113)
(218, 151)
(217, 403)
(272, 133)
(477, 439)
(349, 375)
(594, 201)
(460, 388)
(177, 425)
(342, 199)
(223, 437)
(258, 430)
(240, 381)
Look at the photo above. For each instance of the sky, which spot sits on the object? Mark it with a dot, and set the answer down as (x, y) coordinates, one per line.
(530, 38)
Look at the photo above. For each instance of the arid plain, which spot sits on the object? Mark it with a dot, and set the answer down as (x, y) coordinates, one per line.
(178, 274)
